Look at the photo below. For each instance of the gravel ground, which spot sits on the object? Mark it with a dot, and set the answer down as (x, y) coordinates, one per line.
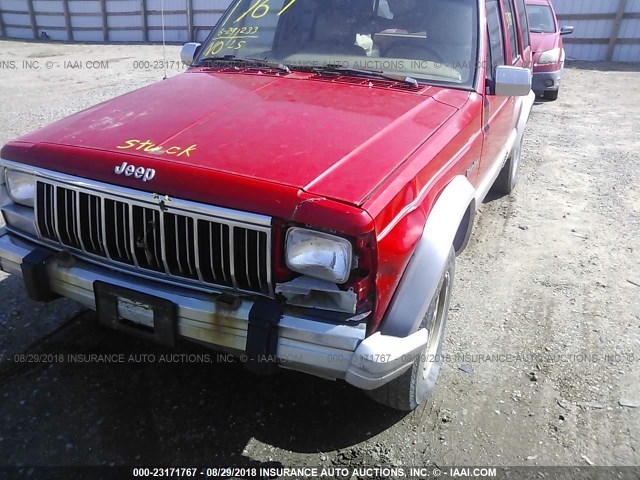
(549, 281)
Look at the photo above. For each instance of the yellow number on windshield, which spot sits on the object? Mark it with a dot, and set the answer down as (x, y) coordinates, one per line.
(257, 10)
(261, 8)
(287, 6)
(214, 48)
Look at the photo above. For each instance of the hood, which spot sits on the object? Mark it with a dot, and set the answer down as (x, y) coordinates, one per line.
(541, 42)
(333, 139)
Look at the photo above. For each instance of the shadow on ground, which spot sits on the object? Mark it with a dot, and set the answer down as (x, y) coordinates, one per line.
(195, 411)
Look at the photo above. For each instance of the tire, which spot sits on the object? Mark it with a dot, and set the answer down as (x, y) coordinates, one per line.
(551, 95)
(412, 388)
(508, 176)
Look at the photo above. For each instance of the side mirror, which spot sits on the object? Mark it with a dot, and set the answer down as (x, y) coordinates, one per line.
(189, 52)
(512, 81)
(568, 30)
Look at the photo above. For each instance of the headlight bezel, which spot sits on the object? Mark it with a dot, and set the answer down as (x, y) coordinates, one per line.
(317, 269)
(25, 179)
(5, 199)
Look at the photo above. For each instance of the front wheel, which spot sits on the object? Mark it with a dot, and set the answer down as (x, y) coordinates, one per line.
(413, 387)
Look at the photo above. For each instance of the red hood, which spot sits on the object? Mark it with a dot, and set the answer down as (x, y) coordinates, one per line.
(330, 139)
(541, 42)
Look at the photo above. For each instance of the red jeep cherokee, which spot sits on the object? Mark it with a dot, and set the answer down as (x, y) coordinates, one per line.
(296, 197)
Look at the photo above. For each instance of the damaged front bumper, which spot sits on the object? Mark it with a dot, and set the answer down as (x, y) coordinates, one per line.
(302, 343)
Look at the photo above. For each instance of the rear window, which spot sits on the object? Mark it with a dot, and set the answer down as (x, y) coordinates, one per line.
(541, 19)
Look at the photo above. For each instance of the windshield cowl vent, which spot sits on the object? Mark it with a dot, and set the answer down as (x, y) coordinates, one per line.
(247, 70)
(368, 82)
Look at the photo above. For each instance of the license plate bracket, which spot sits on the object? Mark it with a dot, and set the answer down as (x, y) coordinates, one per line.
(163, 327)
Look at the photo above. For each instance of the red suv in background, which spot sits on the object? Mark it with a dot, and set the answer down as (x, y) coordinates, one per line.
(546, 42)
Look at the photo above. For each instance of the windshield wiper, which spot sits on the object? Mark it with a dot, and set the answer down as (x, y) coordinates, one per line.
(249, 62)
(337, 69)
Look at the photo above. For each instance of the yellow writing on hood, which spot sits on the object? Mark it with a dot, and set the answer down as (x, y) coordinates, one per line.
(150, 147)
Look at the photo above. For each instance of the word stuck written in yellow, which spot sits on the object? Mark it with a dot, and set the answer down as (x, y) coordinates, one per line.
(150, 147)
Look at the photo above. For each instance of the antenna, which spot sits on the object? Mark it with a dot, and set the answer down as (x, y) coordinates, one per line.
(164, 44)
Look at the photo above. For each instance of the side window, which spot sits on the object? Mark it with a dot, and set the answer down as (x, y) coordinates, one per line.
(523, 22)
(511, 28)
(496, 36)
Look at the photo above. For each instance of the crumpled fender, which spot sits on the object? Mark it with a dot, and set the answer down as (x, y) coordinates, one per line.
(428, 261)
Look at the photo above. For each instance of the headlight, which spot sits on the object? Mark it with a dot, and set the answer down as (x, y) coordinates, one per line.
(550, 56)
(21, 187)
(318, 254)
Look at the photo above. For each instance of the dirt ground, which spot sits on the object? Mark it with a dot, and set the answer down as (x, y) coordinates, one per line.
(543, 340)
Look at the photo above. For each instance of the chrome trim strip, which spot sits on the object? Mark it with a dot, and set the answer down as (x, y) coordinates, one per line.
(246, 255)
(47, 201)
(54, 211)
(76, 224)
(115, 226)
(91, 220)
(35, 212)
(269, 252)
(187, 241)
(103, 223)
(259, 269)
(196, 250)
(176, 233)
(74, 219)
(163, 244)
(132, 239)
(45, 211)
(99, 228)
(52, 195)
(222, 267)
(232, 256)
(65, 224)
(211, 261)
(126, 245)
(156, 237)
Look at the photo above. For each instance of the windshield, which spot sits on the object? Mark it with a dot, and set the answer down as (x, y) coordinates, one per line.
(541, 19)
(433, 41)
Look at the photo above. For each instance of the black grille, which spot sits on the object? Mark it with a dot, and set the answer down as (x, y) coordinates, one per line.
(176, 244)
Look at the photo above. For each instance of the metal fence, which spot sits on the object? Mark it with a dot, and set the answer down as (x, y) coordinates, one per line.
(109, 20)
(604, 29)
